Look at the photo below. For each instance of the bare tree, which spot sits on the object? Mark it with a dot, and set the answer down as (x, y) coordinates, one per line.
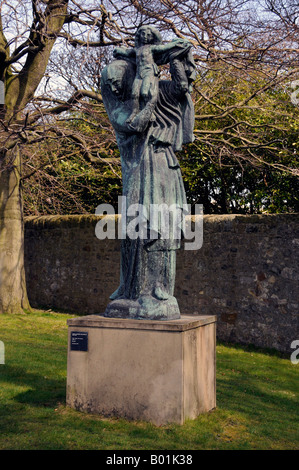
(32, 27)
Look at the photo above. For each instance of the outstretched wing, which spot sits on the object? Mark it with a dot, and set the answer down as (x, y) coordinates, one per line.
(179, 50)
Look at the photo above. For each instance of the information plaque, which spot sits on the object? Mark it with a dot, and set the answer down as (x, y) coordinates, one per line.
(79, 340)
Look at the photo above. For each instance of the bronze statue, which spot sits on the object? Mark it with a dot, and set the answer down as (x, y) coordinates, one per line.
(152, 119)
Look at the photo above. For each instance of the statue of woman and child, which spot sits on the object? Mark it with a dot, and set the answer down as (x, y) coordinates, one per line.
(152, 119)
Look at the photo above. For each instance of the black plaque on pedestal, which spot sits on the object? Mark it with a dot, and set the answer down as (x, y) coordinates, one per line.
(79, 341)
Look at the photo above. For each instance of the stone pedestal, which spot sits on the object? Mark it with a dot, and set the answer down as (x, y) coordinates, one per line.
(157, 371)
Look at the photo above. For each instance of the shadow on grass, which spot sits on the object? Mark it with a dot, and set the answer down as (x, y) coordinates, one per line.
(27, 413)
(43, 391)
(244, 394)
(261, 386)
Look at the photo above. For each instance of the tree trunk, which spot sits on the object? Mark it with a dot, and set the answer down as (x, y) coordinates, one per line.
(13, 294)
(19, 90)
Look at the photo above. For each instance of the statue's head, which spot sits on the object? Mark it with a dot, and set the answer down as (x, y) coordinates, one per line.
(117, 79)
(147, 34)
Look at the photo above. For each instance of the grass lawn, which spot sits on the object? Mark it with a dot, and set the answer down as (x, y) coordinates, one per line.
(257, 399)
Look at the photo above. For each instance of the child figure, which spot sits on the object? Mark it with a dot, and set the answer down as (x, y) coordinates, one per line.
(148, 49)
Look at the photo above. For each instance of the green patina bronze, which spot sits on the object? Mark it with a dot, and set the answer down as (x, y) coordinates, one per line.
(152, 119)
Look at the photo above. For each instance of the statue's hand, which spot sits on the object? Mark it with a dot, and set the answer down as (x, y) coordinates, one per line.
(140, 122)
(182, 42)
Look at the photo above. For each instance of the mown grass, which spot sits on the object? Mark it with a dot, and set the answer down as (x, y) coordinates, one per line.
(257, 399)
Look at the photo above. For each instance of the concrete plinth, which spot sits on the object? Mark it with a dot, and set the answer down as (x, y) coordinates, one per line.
(156, 371)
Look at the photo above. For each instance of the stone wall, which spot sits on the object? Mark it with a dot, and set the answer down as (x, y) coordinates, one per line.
(246, 272)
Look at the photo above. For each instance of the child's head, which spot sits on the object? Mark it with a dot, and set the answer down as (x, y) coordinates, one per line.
(147, 34)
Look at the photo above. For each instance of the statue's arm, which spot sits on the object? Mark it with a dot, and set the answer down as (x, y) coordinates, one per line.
(120, 52)
(161, 48)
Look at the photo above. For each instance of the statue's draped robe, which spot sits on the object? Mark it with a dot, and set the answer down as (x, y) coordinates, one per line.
(151, 175)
